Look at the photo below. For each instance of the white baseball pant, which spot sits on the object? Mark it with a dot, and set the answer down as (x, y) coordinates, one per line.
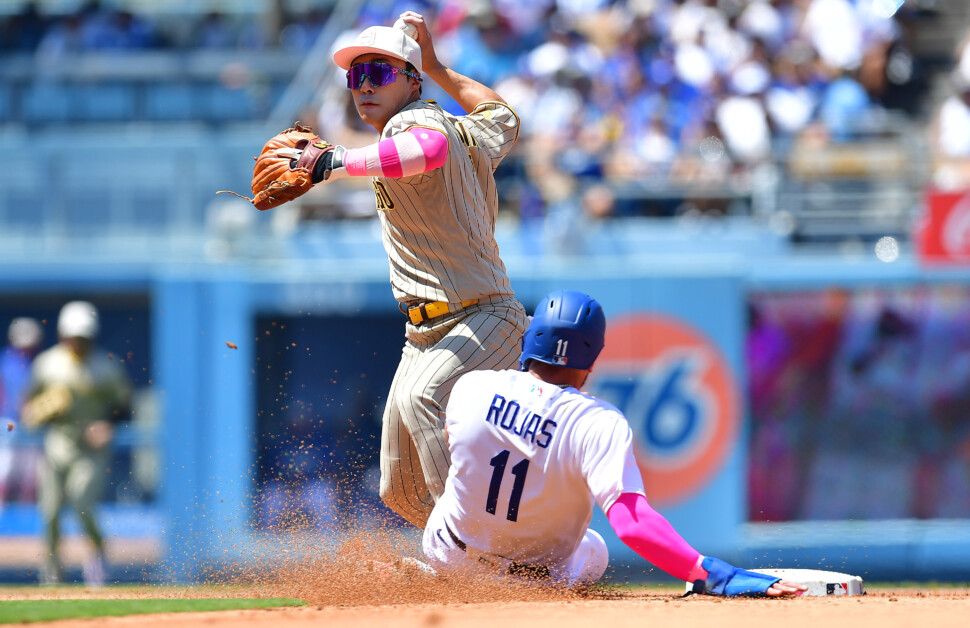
(585, 566)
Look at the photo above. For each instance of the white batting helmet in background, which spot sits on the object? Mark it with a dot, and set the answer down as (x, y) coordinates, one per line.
(25, 333)
(78, 319)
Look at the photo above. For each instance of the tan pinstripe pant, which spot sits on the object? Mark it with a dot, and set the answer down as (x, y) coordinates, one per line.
(79, 481)
(414, 454)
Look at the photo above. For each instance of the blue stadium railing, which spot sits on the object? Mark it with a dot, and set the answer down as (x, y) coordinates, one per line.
(213, 87)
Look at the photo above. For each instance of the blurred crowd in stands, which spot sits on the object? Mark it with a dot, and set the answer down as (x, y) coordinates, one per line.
(688, 93)
(676, 96)
(102, 26)
(950, 128)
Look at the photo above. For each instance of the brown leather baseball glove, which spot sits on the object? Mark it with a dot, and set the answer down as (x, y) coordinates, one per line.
(49, 406)
(285, 168)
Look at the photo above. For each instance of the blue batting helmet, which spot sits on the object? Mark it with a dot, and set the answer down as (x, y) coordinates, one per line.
(568, 329)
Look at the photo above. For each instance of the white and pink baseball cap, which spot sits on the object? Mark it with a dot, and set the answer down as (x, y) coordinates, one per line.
(380, 40)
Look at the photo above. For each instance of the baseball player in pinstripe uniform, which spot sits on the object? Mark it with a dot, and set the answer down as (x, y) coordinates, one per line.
(75, 394)
(437, 202)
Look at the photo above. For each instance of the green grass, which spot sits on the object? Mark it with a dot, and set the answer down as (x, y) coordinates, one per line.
(21, 611)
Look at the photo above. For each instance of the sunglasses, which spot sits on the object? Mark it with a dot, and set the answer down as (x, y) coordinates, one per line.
(380, 74)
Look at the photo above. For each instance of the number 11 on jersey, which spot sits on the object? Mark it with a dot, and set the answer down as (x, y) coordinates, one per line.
(498, 463)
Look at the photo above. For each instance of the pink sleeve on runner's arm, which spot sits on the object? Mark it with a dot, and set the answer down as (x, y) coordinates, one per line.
(417, 150)
(651, 536)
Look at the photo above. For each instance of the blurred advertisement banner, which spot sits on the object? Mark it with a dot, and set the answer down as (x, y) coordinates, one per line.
(943, 233)
(679, 395)
(859, 403)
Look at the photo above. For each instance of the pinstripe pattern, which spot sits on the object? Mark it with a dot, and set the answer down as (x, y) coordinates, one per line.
(438, 229)
(484, 336)
(439, 236)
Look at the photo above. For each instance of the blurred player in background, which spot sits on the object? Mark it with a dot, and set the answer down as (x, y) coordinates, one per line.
(436, 195)
(17, 480)
(531, 453)
(76, 393)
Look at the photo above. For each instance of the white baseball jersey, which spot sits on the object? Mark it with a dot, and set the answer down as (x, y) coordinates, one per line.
(528, 461)
(439, 226)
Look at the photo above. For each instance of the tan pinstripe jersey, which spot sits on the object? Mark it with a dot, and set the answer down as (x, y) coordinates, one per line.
(96, 384)
(439, 226)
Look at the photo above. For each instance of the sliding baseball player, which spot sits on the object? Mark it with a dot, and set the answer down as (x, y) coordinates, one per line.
(531, 454)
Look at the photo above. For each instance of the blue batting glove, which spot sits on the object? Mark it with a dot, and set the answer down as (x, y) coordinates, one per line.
(725, 579)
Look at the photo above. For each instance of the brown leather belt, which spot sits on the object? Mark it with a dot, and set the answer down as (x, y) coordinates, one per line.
(424, 312)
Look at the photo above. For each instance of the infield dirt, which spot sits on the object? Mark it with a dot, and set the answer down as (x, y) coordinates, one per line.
(885, 609)
(351, 585)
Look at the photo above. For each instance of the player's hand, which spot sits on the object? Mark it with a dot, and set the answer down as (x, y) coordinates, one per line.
(429, 59)
(786, 587)
(728, 580)
(98, 434)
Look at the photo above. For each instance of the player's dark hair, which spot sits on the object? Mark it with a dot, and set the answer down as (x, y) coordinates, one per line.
(410, 68)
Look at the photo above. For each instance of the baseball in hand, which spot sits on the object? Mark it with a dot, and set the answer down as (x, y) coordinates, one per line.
(409, 29)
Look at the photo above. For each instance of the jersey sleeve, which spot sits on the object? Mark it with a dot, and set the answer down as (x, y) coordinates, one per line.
(608, 463)
(494, 127)
(410, 117)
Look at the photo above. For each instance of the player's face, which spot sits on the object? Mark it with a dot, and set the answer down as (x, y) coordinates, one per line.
(79, 346)
(376, 104)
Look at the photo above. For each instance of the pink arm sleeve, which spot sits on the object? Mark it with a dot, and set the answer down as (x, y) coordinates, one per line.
(651, 536)
(417, 150)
